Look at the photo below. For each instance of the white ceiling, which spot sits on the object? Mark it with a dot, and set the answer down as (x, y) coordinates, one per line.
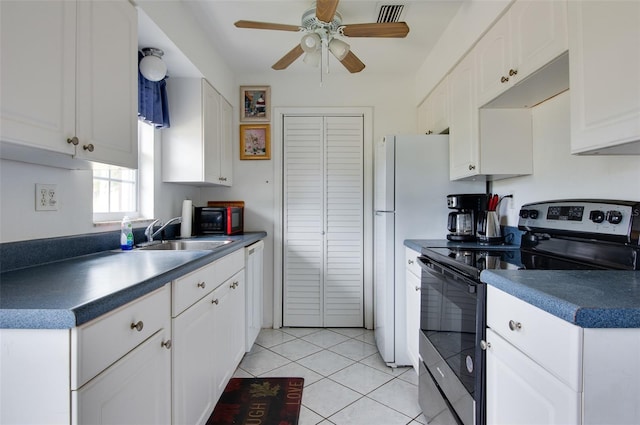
(254, 51)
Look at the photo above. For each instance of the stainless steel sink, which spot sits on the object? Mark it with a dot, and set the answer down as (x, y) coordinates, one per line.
(182, 245)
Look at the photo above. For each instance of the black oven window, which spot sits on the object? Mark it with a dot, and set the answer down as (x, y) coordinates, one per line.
(448, 319)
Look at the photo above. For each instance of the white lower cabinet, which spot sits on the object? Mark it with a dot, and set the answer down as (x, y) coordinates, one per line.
(209, 336)
(133, 391)
(412, 287)
(544, 370)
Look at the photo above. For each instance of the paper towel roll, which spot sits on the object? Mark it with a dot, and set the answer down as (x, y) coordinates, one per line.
(187, 212)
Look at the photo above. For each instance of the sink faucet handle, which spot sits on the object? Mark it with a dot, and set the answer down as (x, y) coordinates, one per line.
(149, 230)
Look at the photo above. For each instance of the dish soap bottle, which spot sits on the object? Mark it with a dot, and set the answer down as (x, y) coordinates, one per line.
(126, 234)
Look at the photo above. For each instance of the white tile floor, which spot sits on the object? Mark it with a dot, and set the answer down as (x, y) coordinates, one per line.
(345, 380)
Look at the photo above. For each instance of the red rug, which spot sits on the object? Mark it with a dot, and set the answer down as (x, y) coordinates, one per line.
(259, 401)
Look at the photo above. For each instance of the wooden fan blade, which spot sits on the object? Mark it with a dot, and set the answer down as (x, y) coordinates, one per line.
(266, 26)
(385, 29)
(352, 63)
(289, 58)
(326, 9)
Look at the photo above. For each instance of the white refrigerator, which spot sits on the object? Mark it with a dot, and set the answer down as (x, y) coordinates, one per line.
(411, 184)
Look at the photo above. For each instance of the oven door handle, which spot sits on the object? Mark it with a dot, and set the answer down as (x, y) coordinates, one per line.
(439, 271)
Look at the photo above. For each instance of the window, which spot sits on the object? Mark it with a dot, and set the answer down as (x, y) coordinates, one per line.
(121, 191)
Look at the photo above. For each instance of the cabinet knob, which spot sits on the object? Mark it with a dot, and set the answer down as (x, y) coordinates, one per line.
(74, 141)
(222, 179)
(429, 132)
(410, 261)
(504, 79)
(137, 326)
(166, 344)
(201, 285)
(485, 345)
(88, 147)
(215, 301)
(515, 326)
(234, 285)
(417, 288)
(472, 167)
(513, 72)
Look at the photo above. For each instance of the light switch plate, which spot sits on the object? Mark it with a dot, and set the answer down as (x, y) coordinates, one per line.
(46, 197)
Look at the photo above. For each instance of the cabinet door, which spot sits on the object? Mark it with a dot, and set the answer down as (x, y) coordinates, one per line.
(223, 322)
(413, 316)
(107, 84)
(493, 61)
(135, 390)
(37, 101)
(225, 157)
(538, 35)
(520, 391)
(194, 345)
(211, 136)
(604, 75)
(463, 132)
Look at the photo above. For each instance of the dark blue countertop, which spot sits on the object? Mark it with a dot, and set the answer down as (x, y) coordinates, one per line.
(67, 293)
(586, 298)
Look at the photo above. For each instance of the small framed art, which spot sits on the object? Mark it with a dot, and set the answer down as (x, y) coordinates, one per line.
(255, 141)
(256, 103)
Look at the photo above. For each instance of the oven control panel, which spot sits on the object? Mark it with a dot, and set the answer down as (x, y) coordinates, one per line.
(580, 216)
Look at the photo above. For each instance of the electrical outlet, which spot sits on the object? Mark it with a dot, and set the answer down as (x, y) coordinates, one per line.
(46, 197)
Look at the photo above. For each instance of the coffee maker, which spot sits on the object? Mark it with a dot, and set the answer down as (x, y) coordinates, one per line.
(462, 223)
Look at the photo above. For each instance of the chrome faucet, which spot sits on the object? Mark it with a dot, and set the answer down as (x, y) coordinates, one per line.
(150, 234)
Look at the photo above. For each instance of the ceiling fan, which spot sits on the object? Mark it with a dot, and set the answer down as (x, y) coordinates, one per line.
(321, 25)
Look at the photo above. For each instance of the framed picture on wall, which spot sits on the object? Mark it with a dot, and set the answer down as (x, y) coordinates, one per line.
(255, 103)
(255, 142)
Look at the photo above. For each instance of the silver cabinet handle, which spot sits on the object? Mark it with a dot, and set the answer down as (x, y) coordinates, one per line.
(234, 285)
(472, 167)
(515, 326)
(88, 147)
(201, 285)
(410, 261)
(513, 72)
(417, 288)
(504, 79)
(137, 326)
(223, 179)
(215, 301)
(74, 141)
(485, 345)
(166, 344)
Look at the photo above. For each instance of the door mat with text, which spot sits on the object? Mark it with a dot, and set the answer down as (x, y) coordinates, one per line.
(259, 401)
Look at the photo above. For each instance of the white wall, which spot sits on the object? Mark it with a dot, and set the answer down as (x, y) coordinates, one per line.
(559, 175)
(393, 113)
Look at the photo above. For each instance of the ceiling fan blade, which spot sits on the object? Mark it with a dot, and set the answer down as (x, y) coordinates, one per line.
(385, 29)
(289, 58)
(352, 63)
(326, 9)
(266, 26)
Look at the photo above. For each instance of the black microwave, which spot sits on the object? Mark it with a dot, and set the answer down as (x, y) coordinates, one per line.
(218, 220)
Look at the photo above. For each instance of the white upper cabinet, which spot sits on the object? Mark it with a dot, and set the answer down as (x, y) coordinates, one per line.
(433, 113)
(197, 148)
(529, 36)
(69, 73)
(605, 76)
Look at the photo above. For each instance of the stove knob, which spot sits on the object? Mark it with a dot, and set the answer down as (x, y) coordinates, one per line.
(596, 216)
(614, 217)
(533, 214)
(524, 213)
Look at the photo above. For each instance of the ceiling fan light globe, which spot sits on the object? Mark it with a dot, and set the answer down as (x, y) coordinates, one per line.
(310, 42)
(312, 58)
(153, 68)
(339, 48)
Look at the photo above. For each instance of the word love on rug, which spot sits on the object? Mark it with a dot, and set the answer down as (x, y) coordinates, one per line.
(259, 401)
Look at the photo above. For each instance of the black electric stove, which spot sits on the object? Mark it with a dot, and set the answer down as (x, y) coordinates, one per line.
(558, 235)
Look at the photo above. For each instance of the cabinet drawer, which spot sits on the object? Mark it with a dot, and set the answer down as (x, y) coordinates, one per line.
(554, 344)
(411, 262)
(101, 342)
(190, 288)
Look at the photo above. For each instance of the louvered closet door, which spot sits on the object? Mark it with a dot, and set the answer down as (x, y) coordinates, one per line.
(323, 221)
